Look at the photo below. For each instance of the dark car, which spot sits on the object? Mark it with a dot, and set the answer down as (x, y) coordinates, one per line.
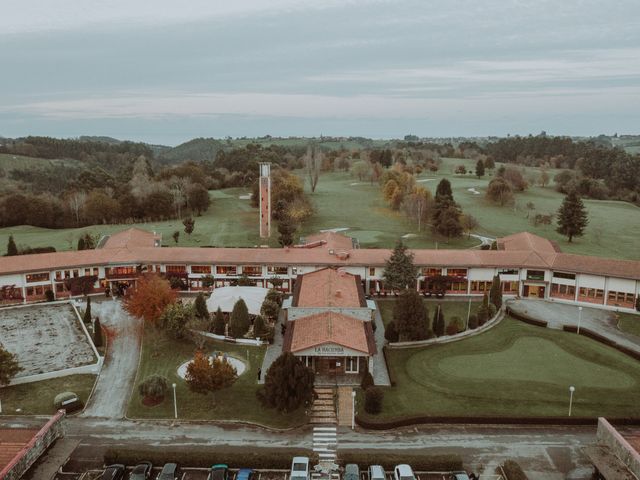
(142, 471)
(245, 474)
(113, 472)
(219, 472)
(170, 471)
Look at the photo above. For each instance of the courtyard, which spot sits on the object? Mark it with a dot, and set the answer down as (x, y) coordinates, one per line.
(45, 338)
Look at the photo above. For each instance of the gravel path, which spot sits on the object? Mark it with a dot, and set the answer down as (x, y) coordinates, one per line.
(113, 388)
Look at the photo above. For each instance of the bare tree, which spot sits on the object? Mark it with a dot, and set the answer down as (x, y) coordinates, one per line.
(76, 204)
(313, 163)
(417, 204)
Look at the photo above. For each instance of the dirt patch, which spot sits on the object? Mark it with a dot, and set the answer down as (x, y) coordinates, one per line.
(45, 338)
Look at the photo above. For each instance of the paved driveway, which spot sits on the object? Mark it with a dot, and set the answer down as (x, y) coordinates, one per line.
(558, 315)
(113, 388)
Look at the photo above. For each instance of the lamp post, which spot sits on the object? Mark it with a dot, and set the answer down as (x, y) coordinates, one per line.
(353, 409)
(468, 313)
(571, 390)
(579, 319)
(175, 403)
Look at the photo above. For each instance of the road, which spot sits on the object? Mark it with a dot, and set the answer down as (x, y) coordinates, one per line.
(545, 452)
(114, 383)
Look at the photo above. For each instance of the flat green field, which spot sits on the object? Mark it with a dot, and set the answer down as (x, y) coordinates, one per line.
(343, 202)
(629, 323)
(37, 398)
(163, 355)
(450, 308)
(514, 369)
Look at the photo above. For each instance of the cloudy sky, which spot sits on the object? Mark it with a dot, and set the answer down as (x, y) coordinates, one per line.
(165, 71)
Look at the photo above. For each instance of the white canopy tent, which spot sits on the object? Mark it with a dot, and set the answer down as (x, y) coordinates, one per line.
(226, 298)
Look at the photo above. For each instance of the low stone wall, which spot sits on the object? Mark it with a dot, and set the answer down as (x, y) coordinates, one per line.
(48, 434)
(609, 436)
(451, 338)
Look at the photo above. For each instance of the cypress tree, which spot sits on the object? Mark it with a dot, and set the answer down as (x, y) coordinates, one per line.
(483, 311)
(480, 169)
(438, 321)
(81, 244)
(288, 384)
(446, 212)
(409, 313)
(239, 321)
(11, 247)
(87, 312)
(495, 293)
(572, 216)
(259, 327)
(201, 307)
(219, 325)
(97, 333)
(399, 271)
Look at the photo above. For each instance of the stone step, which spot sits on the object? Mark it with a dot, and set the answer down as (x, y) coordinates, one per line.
(323, 408)
(323, 421)
(325, 402)
(324, 390)
(323, 414)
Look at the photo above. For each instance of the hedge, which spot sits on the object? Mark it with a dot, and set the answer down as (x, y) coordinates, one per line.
(418, 460)
(206, 456)
(599, 338)
(525, 319)
(513, 471)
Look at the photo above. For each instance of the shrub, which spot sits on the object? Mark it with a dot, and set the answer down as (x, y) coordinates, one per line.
(367, 381)
(239, 321)
(200, 306)
(473, 321)
(97, 333)
(219, 325)
(65, 397)
(514, 471)
(390, 333)
(373, 398)
(154, 386)
(259, 327)
(49, 295)
(288, 384)
(270, 309)
(175, 318)
(455, 326)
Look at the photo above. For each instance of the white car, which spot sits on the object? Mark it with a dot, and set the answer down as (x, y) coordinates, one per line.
(403, 472)
(299, 468)
(376, 472)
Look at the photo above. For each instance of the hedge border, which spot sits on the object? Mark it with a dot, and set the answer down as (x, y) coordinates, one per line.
(425, 420)
(602, 339)
(524, 318)
(392, 377)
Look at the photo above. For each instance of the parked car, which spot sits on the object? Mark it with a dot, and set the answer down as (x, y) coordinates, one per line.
(219, 471)
(170, 471)
(245, 474)
(459, 476)
(142, 471)
(351, 472)
(300, 468)
(403, 472)
(376, 472)
(113, 472)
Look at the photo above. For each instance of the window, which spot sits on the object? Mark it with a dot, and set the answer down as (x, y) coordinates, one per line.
(372, 271)
(510, 287)
(120, 271)
(351, 365)
(95, 271)
(58, 275)
(508, 271)
(431, 272)
(87, 272)
(76, 274)
(535, 274)
(457, 272)
(480, 286)
(201, 269)
(226, 270)
(460, 287)
(277, 270)
(308, 361)
(176, 269)
(37, 277)
(568, 276)
(67, 274)
(252, 270)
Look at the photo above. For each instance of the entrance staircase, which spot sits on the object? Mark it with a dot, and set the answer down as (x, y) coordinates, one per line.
(323, 410)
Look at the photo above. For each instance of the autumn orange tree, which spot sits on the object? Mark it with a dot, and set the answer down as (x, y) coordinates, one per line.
(206, 375)
(152, 295)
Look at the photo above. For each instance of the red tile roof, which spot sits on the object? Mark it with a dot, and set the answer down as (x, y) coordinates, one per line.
(12, 441)
(328, 287)
(328, 327)
(132, 238)
(329, 240)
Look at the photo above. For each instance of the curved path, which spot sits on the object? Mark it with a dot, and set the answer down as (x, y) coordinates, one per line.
(113, 387)
(557, 315)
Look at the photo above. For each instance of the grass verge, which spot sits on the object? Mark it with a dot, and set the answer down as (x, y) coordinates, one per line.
(163, 355)
(451, 308)
(37, 398)
(629, 323)
(514, 369)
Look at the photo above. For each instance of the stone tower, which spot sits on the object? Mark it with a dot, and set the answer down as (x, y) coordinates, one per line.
(265, 200)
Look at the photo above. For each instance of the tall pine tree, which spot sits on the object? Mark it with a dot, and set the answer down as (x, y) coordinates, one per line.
(572, 216)
(495, 294)
(239, 321)
(201, 307)
(480, 168)
(409, 316)
(219, 325)
(11, 247)
(399, 271)
(446, 212)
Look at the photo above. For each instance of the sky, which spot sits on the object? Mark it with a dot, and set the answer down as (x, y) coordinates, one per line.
(163, 71)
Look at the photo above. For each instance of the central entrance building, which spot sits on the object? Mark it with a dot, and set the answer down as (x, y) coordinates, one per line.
(329, 326)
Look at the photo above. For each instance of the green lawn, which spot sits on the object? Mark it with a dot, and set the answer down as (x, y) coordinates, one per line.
(514, 369)
(37, 398)
(341, 201)
(451, 308)
(10, 162)
(163, 355)
(629, 323)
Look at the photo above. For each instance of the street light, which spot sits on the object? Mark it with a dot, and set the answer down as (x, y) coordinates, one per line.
(579, 318)
(353, 409)
(468, 313)
(571, 390)
(175, 403)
